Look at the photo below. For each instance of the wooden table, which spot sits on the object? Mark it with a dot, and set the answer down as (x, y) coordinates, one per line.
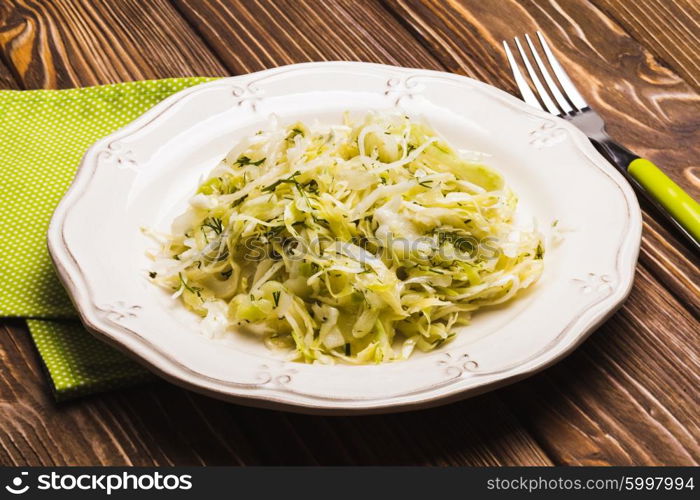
(629, 395)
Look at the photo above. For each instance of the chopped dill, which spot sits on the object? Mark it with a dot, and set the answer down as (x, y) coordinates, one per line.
(288, 180)
(461, 243)
(192, 289)
(213, 223)
(294, 132)
(239, 201)
(245, 160)
(539, 253)
(311, 186)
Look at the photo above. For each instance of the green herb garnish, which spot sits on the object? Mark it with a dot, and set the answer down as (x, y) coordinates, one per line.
(539, 253)
(213, 223)
(287, 180)
(192, 289)
(244, 160)
(276, 298)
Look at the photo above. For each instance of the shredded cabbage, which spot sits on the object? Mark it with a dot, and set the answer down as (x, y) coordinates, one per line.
(360, 242)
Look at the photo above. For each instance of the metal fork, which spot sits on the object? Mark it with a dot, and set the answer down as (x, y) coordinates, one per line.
(565, 101)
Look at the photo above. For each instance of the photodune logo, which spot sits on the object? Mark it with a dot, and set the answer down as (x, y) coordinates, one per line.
(17, 487)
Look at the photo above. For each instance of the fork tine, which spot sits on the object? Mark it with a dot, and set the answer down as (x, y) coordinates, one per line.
(548, 103)
(553, 89)
(525, 90)
(566, 84)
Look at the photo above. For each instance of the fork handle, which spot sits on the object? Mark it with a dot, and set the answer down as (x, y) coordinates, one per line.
(670, 195)
(665, 196)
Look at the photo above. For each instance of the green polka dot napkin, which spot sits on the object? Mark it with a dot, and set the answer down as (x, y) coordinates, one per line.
(77, 363)
(43, 136)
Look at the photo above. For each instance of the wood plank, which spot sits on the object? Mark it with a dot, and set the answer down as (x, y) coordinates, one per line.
(7, 81)
(668, 261)
(155, 424)
(457, 40)
(480, 432)
(477, 432)
(671, 30)
(272, 33)
(629, 395)
(68, 43)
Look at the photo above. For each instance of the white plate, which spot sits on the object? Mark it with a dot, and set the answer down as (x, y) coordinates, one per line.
(142, 174)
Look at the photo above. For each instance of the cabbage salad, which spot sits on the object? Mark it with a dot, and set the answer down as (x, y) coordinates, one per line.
(358, 242)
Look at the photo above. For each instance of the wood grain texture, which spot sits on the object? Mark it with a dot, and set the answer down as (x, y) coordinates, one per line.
(254, 35)
(671, 264)
(7, 81)
(70, 43)
(628, 396)
(126, 428)
(670, 30)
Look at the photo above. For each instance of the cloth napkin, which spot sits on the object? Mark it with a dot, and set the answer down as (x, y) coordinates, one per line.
(43, 136)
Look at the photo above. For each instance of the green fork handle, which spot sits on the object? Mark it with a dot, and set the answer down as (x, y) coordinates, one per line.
(679, 204)
(661, 195)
